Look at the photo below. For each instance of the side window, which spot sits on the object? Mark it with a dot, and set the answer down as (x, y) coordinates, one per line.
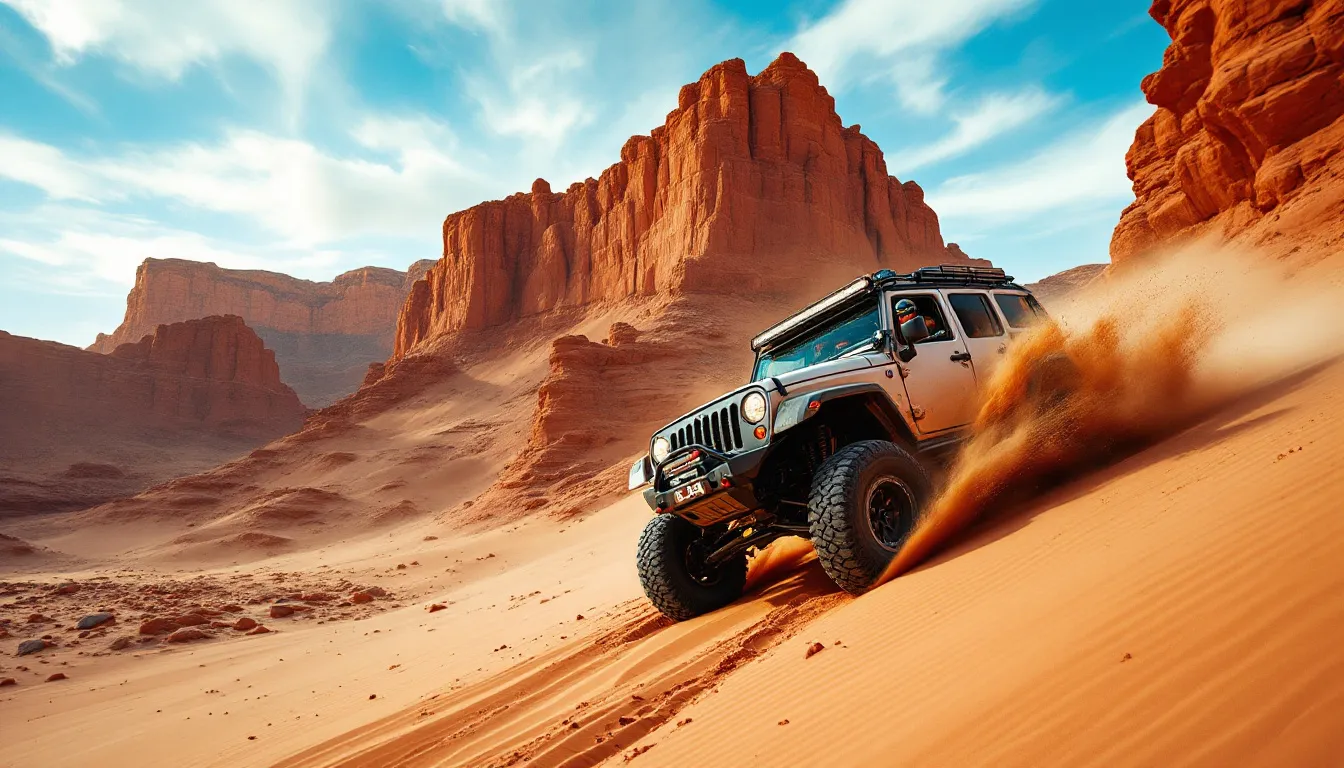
(975, 315)
(1015, 307)
(926, 306)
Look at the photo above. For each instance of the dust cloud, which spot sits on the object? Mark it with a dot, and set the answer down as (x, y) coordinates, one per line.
(1148, 353)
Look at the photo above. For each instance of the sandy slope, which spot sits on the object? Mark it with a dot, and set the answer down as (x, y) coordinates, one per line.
(1216, 564)
(1182, 605)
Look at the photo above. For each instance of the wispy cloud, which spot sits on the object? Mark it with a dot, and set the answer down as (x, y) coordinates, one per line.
(286, 186)
(992, 116)
(904, 39)
(1080, 169)
(164, 38)
(535, 102)
(94, 253)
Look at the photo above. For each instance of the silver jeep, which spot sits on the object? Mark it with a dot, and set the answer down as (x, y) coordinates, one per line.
(849, 400)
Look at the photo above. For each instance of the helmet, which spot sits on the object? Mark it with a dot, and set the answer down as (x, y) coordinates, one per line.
(905, 309)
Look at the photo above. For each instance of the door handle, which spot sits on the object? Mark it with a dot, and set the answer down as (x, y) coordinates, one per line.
(960, 357)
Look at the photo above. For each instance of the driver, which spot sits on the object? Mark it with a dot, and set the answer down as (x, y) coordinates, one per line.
(906, 310)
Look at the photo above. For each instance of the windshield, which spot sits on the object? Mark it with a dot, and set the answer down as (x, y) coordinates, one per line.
(843, 334)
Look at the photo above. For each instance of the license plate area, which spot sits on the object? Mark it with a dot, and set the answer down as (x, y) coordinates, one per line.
(690, 491)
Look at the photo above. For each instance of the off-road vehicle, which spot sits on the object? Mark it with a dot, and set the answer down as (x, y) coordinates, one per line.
(849, 400)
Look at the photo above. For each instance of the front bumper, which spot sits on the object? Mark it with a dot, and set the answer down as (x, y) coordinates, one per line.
(729, 480)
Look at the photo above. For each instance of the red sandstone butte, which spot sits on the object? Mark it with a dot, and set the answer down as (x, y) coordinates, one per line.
(82, 427)
(1245, 141)
(323, 334)
(751, 181)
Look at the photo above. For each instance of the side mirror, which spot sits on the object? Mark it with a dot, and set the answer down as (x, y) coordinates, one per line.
(915, 329)
(906, 354)
(882, 340)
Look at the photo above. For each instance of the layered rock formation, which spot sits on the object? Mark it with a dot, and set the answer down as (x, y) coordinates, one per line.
(80, 427)
(752, 182)
(323, 334)
(1249, 123)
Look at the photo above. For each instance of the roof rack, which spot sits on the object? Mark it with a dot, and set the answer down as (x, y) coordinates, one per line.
(961, 272)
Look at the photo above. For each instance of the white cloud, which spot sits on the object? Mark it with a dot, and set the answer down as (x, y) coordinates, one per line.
(85, 251)
(535, 101)
(1083, 168)
(991, 117)
(486, 15)
(163, 38)
(901, 38)
(287, 186)
(46, 167)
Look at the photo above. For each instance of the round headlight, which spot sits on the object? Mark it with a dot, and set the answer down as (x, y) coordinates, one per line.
(660, 449)
(753, 407)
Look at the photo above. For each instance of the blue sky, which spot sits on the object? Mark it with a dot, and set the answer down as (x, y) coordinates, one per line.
(311, 137)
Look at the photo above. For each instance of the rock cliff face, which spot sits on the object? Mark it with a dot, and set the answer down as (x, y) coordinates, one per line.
(752, 182)
(1245, 141)
(323, 334)
(1057, 288)
(80, 427)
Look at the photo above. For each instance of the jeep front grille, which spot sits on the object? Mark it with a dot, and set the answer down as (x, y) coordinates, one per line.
(718, 429)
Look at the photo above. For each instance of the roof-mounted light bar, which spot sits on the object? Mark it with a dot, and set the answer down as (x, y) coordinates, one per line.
(791, 322)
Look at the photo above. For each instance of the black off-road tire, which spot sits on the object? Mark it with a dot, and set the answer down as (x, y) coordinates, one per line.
(847, 546)
(665, 571)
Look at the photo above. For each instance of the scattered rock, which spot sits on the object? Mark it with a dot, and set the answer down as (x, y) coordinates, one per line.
(31, 646)
(580, 618)
(38, 618)
(785, 721)
(69, 588)
(814, 649)
(159, 626)
(625, 720)
(244, 624)
(1127, 657)
(231, 608)
(317, 597)
(8, 681)
(372, 696)
(637, 751)
(376, 591)
(187, 634)
(431, 538)
(401, 566)
(437, 607)
(190, 620)
(260, 630)
(361, 597)
(57, 676)
(281, 611)
(94, 620)
(122, 643)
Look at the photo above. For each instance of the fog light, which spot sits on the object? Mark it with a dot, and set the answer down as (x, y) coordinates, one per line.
(759, 432)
